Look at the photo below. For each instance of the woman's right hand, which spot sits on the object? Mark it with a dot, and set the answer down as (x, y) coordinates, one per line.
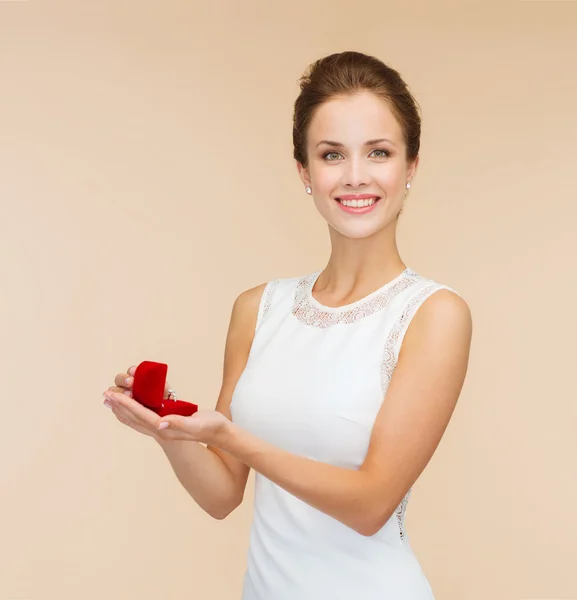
(132, 413)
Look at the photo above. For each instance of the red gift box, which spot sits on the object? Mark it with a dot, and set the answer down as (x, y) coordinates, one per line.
(148, 389)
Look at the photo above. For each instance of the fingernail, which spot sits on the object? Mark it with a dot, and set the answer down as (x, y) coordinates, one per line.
(106, 403)
(128, 380)
(163, 425)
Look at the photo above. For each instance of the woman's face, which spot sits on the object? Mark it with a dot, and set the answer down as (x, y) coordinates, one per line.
(345, 159)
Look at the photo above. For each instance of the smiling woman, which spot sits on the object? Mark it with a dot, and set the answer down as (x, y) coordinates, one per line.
(355, 369)
(337, 385)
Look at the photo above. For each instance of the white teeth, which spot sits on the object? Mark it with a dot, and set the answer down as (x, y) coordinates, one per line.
(358, 203)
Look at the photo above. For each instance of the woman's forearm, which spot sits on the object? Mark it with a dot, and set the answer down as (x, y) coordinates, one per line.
(203, 475)
(353, 496)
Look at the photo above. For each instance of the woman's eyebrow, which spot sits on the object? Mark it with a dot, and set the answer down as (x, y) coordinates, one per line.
(369, 143)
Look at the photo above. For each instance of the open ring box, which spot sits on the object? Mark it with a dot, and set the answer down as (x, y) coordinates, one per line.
(148, 389)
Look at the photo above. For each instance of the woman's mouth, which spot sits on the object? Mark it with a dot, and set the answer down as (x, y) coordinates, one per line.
(358, 204)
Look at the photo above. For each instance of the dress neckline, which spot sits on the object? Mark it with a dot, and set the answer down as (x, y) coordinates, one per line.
(347, 307)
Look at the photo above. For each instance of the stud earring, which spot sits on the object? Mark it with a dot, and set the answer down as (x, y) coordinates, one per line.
(309, 190)
(408, 185)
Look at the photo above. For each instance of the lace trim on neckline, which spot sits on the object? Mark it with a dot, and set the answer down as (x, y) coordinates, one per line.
(311, 312)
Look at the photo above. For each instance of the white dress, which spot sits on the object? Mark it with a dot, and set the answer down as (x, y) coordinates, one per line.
(313, 384)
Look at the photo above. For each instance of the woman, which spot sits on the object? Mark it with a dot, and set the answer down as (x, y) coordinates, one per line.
(337, 385)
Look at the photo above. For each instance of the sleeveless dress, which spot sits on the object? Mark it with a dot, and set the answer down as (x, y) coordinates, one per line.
(313, 383)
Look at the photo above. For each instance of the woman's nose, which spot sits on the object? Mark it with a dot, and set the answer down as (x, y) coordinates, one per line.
(355, 174)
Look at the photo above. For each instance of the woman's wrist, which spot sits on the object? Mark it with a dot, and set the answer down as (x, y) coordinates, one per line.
(225, 435)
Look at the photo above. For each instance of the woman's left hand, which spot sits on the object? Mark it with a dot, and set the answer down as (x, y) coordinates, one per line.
(205, 426)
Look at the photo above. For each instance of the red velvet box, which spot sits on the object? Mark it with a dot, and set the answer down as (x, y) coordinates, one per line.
(148, 389)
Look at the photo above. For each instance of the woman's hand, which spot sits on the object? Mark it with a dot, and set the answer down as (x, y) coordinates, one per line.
(205, 426)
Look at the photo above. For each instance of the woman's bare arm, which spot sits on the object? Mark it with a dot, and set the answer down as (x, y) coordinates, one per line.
(215, 479)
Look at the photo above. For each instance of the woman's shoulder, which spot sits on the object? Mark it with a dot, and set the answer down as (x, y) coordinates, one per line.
(434, 298)
(431, 284)
(259, 296)
(282, 284)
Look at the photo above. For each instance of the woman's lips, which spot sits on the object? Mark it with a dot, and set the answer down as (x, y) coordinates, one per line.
(357, 210)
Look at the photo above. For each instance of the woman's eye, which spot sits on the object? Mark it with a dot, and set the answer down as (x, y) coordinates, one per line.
(329, 153)
(385, 153)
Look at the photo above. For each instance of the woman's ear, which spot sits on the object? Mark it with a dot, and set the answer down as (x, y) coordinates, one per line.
(412, 170)
(304, 174)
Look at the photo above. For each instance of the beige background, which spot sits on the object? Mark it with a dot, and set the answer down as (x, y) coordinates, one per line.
(147, 179)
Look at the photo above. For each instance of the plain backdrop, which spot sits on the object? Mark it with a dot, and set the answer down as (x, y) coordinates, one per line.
(146, 179)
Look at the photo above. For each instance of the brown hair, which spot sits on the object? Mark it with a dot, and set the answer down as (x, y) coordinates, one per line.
(350, 73)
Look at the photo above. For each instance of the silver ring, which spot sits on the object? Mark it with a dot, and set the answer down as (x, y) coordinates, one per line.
(171, 394)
